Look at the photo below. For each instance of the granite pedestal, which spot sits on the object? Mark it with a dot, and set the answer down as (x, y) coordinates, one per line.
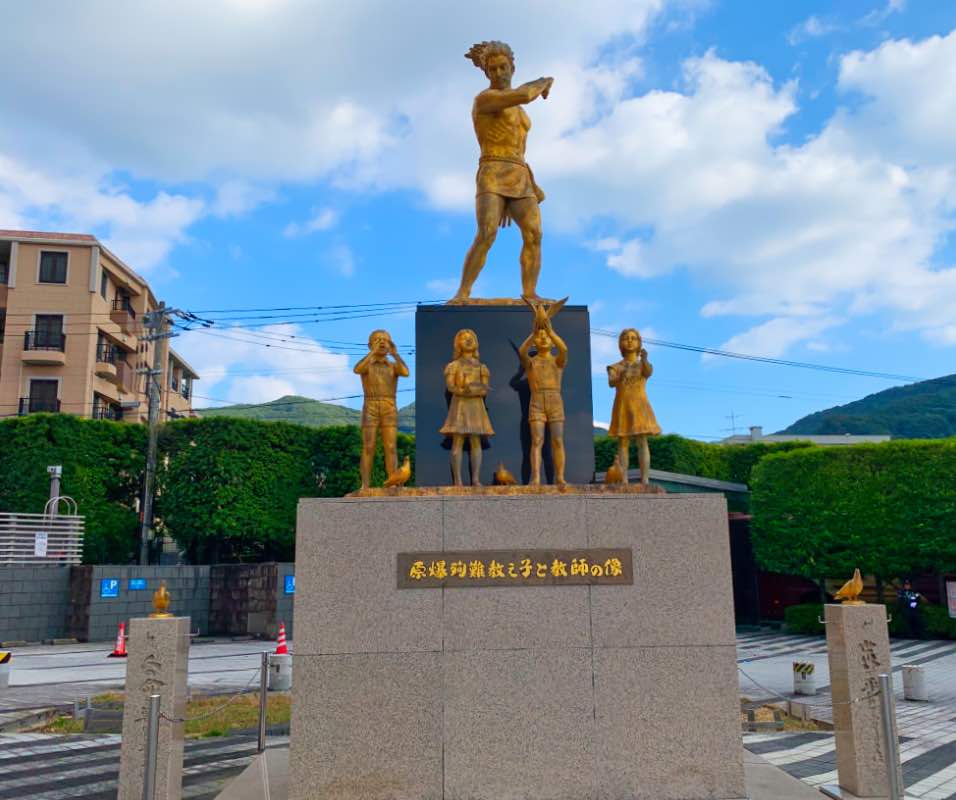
(158, 664)
(500, 330)
(518, 692)
(858, 650)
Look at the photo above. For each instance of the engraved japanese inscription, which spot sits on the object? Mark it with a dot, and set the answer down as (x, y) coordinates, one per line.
(477, 568)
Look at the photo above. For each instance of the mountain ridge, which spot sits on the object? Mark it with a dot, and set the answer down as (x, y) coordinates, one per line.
(921, 410)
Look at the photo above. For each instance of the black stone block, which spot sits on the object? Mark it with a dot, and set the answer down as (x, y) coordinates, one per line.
(500, 330)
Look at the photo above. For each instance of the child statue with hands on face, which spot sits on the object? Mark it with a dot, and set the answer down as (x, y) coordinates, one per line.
(632, 417)
(379, 412)
(466, 379)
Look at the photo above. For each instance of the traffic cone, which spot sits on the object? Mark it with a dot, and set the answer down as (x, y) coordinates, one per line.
(120, 650)
(282, 650)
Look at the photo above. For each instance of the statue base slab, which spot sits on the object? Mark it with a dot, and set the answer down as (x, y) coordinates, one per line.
(624, 691)
(508, 491)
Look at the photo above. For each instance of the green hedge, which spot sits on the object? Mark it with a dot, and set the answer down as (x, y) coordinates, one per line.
(937, 624)
(673, 453)
(102, 470)
(889, 509)
(229, 487)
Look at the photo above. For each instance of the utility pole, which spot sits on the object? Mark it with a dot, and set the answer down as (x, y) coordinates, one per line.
(55, 473)
(156, 322)
(733, 423)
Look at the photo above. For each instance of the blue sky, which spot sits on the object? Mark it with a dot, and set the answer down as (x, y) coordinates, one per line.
(774, 179)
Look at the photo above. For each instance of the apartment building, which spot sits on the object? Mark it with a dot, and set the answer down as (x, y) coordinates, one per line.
(71, 332)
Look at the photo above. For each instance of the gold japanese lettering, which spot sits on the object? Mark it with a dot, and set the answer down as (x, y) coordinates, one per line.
(525, 567)
(579, 566)
(511, 570)
(417, 570)
(559, 569)
(459, 569)
(437, 569)
(476, 569)
(496, 570)
(597, 571)
(613, 567)
(541, 570)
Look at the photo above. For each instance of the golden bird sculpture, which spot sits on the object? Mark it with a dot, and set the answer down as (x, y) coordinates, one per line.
(161, 600)
(850, 591)
(614, 473)
(400, 476)
(503, 476)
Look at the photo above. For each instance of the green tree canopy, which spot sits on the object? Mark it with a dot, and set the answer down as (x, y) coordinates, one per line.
(102, 470)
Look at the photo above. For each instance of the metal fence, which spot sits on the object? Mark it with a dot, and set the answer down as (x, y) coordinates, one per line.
(41, 539)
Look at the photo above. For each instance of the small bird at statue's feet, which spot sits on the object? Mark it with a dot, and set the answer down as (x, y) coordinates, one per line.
(400, 476)
(503, 476)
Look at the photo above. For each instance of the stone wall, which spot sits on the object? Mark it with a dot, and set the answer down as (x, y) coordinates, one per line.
(187, 586)
(249, 599)
(53, 602)
(34, 602)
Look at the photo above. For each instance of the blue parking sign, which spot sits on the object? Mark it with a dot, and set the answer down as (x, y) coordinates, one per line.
(137, 584)
(109, 587)
(290, 584)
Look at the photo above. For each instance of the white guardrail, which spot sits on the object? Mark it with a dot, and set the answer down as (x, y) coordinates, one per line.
(41, 539)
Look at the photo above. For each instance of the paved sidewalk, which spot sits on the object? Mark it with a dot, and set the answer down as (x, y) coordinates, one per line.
(927, 730)
(44, 767)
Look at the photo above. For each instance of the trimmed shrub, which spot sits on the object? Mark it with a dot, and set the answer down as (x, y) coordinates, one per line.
(102, 471)
(888, 509)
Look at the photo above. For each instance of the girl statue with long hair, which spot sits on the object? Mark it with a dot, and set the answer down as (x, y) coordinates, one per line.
(466, 379)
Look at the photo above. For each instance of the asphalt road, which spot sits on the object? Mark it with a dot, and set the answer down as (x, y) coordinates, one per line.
(54, 674)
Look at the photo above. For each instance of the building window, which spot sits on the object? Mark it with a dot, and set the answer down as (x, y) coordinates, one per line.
(4, 273)
(3, 322)
(43, 397)
(52, 267)
(185, 388)
(104, 280)
(48, 332)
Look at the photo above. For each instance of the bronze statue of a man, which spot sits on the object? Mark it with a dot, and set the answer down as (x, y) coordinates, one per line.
(506, 189)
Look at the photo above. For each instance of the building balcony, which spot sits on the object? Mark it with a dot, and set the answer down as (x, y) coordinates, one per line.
(106, 362)
(104, 411)
(123, 315)
(36, 405)
(44, 348)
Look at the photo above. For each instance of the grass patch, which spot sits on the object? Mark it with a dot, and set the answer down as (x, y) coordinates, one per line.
(241, 714)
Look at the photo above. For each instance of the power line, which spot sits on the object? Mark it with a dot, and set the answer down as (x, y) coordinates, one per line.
(767, 360)
(274, 403)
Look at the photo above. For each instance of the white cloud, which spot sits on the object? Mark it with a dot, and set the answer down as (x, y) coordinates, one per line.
(774, 337)
(848, 221)
(236, 366)
(141, 232)
(341, 259)
(322, 219)
(811, 28)
(236, 197)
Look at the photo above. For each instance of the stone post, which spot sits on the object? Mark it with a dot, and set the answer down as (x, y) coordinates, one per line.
(157, 664)
(858, 650)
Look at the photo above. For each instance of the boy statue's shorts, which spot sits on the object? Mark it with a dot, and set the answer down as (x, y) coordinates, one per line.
(546, 406)
(380, 412)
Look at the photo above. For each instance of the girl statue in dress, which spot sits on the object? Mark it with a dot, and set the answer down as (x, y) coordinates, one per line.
(466, 378)
(632, 417)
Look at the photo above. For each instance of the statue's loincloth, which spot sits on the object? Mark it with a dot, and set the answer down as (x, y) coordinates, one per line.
(507, 177)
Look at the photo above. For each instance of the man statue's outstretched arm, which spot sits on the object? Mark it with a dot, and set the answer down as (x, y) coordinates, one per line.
(492, 100)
